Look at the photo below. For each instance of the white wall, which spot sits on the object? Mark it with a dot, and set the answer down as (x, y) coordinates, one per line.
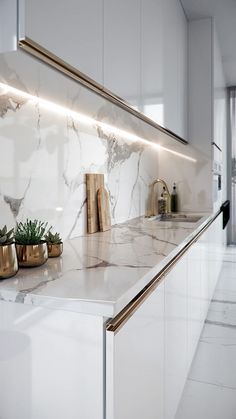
(136, 48)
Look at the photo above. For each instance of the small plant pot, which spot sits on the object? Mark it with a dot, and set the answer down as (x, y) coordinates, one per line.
(8, 261)
(31, 255)
(55, 250)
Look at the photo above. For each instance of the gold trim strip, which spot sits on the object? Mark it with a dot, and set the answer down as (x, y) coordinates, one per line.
(43, 55)
(115, 324)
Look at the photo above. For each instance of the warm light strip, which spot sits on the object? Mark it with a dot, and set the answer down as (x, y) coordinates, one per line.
(53, 107)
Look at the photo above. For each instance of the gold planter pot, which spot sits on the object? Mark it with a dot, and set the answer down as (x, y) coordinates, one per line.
(8, 261)
(55, 250)
(31, 255)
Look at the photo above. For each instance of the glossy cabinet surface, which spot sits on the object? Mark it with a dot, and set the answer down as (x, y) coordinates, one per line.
(152, 60)
(122, 49)
(8, 25)
(156, 345)
(135, 48)
(50, 363)
(57, 363)
(73, 31)
(175, 336)
(135, 363)
(175, 67)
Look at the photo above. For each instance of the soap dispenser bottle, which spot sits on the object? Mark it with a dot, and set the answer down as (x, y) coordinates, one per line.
(167, 197)
(162, 205)
(174, 199)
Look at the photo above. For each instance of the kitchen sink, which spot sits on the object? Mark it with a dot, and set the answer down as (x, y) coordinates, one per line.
(180, 218)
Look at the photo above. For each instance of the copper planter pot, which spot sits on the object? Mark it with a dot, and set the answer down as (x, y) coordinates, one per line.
(8, 261)
(31, 255)
(55, 250)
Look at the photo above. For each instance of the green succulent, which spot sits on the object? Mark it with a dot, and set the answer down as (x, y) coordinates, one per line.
(53, 238)
(6, 237)
(30, 232)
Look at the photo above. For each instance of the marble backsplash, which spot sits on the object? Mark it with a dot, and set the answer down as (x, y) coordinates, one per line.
(44, 158)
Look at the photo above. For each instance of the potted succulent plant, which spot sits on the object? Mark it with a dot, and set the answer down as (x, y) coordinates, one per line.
(8, 258)
(54, 243)
(31, 248)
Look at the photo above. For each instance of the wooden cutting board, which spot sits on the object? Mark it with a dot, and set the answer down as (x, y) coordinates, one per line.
(94, 181)
(104, 209)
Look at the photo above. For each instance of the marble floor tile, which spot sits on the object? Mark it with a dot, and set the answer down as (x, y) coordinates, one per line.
(223, 311)
(207, 401)
(210, 391)
(230, 256)
(225, 295)
(213, 333)
(226, 287)
(215, 359)
(227, 271)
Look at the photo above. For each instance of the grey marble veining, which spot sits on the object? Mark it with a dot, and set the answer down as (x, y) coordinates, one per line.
(100, 273)
(45, 156)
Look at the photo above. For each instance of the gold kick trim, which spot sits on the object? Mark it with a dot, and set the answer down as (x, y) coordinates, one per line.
(115, 324)
(43, 55)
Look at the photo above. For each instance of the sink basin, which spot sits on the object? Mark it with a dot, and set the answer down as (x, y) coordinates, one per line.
(181, 218)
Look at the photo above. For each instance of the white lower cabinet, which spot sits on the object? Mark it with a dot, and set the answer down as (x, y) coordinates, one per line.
(56, 363)
(149, 357)
(195, 319)
(51, 363)
(135, 363)
(175, 322)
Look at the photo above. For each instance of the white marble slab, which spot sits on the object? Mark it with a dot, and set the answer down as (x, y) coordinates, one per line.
(102, 272)
(215, 361)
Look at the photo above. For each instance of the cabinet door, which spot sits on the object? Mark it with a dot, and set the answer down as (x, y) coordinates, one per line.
(8, 25)
(122, 48)
(204, 246)
(51, 363)
(152, 63)
(195, 302)
(72, 30)
(175, 336)
(135, 363)
(175, 67)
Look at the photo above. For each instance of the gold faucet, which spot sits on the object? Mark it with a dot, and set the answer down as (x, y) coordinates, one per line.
(152, 196)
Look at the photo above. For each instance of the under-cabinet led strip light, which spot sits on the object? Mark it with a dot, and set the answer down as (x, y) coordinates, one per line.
(87, 120)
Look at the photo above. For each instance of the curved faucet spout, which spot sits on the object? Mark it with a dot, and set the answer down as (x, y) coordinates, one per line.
(158, 180)
(163, 183)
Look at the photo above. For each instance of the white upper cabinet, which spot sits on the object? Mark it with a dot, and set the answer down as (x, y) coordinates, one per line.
(137, 49)
(135, 363)
(152, 59)
(122, 48)
(145, 58)
(175, 67)
(207, 95)
(73, 30)
(8, 25)
(200, 84)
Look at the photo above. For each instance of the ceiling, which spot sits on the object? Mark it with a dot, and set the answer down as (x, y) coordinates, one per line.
(224, 14)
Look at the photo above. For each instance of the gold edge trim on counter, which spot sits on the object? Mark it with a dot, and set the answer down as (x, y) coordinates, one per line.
(42, 54)
(118, 321)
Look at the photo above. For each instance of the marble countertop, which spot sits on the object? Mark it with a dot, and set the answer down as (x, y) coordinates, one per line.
(100, 273)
